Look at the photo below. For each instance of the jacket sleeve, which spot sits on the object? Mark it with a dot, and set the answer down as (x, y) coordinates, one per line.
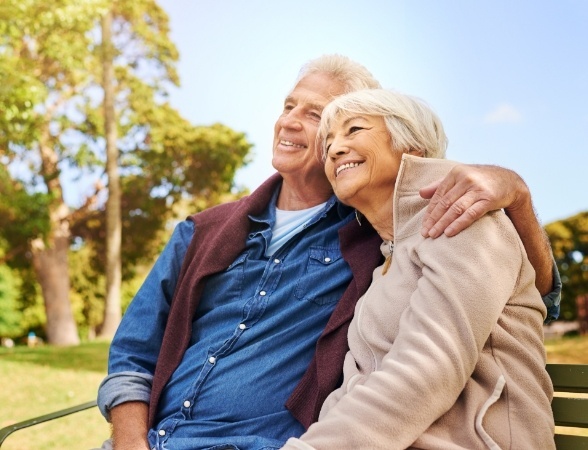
(136, 344)
(553, 299)
(464, 285)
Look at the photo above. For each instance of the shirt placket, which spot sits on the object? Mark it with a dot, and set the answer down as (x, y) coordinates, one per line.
(252, 312)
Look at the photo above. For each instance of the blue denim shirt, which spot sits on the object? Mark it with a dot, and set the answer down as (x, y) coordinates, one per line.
(253, 337)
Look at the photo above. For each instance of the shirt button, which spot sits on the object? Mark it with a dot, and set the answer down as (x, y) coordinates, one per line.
(242, 326)
(212, 360)
(161, 432)
(277, 261)
(327, 259)
(187, 404)
(262, 293)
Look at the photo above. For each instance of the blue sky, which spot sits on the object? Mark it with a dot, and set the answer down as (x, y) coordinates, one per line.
(508, 78)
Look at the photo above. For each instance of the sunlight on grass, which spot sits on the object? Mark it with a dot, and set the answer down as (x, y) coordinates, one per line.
(567, 350)
(41, 380)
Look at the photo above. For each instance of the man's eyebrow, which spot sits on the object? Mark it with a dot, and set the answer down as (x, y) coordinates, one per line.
(316, 106)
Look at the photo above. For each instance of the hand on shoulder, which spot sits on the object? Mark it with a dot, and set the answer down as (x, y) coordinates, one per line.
(467, 193)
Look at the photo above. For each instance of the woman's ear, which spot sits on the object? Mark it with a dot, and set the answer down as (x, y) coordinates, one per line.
(414, 152)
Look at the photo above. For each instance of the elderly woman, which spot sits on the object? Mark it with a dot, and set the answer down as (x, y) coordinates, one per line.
(446, 347)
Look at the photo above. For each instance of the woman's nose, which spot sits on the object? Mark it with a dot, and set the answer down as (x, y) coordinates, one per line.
(337, 148)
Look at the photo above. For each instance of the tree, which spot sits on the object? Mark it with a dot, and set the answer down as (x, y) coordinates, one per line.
(52, 132)
(112, 310)
(569, 240)
(11, 317)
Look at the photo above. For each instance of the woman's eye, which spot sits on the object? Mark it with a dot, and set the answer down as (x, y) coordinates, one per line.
(354, 129)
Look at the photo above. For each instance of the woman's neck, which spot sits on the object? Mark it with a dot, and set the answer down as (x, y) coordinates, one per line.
(380, 216)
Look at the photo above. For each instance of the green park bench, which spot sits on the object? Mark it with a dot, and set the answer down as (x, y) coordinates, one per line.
(569, 411)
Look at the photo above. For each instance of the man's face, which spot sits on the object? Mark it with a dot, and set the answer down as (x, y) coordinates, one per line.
(295, 151)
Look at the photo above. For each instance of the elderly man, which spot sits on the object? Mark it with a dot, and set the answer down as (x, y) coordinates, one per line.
(239, 332)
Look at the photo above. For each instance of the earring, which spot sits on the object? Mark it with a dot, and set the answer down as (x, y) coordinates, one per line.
(358, 217)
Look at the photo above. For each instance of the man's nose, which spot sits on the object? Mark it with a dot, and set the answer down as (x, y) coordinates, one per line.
(291, 120)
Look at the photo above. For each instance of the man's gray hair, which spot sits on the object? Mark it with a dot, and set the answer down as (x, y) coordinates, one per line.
(353, 75)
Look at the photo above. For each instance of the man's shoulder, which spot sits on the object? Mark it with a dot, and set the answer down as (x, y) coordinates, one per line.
(217, 213)
(254, 203)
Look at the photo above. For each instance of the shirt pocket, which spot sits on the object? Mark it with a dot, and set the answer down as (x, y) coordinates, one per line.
(318, 285)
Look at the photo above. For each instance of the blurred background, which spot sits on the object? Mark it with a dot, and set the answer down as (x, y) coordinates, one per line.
(119, 118)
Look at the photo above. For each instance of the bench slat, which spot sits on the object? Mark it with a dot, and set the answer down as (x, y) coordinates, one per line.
(570, 412)
(569, 377)
(569, 442)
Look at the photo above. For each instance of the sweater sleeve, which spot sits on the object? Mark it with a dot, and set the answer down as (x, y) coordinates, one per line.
(464, 285)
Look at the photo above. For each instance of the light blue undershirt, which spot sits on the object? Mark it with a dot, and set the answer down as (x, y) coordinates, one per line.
(288, 224)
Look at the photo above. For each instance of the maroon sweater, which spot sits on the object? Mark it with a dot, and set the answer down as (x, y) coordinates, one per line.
(219, 237)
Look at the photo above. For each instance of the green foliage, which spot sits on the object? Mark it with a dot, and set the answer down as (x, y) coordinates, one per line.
(22, 215)
(569, 240)
(87, 290)
(51, 128)
(30, 303)
(10, 318)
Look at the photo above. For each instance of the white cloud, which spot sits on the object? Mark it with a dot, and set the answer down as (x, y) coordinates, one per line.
(503, 113)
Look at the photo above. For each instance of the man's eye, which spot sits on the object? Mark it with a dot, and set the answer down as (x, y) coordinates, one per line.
(315, 115)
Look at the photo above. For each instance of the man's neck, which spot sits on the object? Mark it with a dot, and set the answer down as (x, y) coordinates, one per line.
(295, 198)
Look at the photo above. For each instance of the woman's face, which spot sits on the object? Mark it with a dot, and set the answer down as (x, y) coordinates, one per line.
(361, 164)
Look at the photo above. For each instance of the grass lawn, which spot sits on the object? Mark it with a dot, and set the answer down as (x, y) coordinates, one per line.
(37, 381)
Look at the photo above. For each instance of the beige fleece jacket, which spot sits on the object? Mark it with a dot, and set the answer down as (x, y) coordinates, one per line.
(446, 349)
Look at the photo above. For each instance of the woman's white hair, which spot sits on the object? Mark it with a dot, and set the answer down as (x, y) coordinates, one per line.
(412, 124)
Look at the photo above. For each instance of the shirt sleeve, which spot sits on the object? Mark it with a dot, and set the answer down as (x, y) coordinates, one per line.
(136, 344)
(553, 299)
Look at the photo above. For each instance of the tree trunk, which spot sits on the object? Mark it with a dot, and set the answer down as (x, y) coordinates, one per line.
(50, 254)
(51, 268)
(112, 310)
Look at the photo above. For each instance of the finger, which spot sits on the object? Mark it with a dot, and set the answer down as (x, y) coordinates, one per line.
(448, 211)
(443, 207)
(435, 191)
(428, 191)
(469, 216)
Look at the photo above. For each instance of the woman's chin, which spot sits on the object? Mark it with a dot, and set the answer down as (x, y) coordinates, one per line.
(345, 198)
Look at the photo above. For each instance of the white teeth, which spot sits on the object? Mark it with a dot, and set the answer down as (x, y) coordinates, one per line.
(342, 167)
(292, 144)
